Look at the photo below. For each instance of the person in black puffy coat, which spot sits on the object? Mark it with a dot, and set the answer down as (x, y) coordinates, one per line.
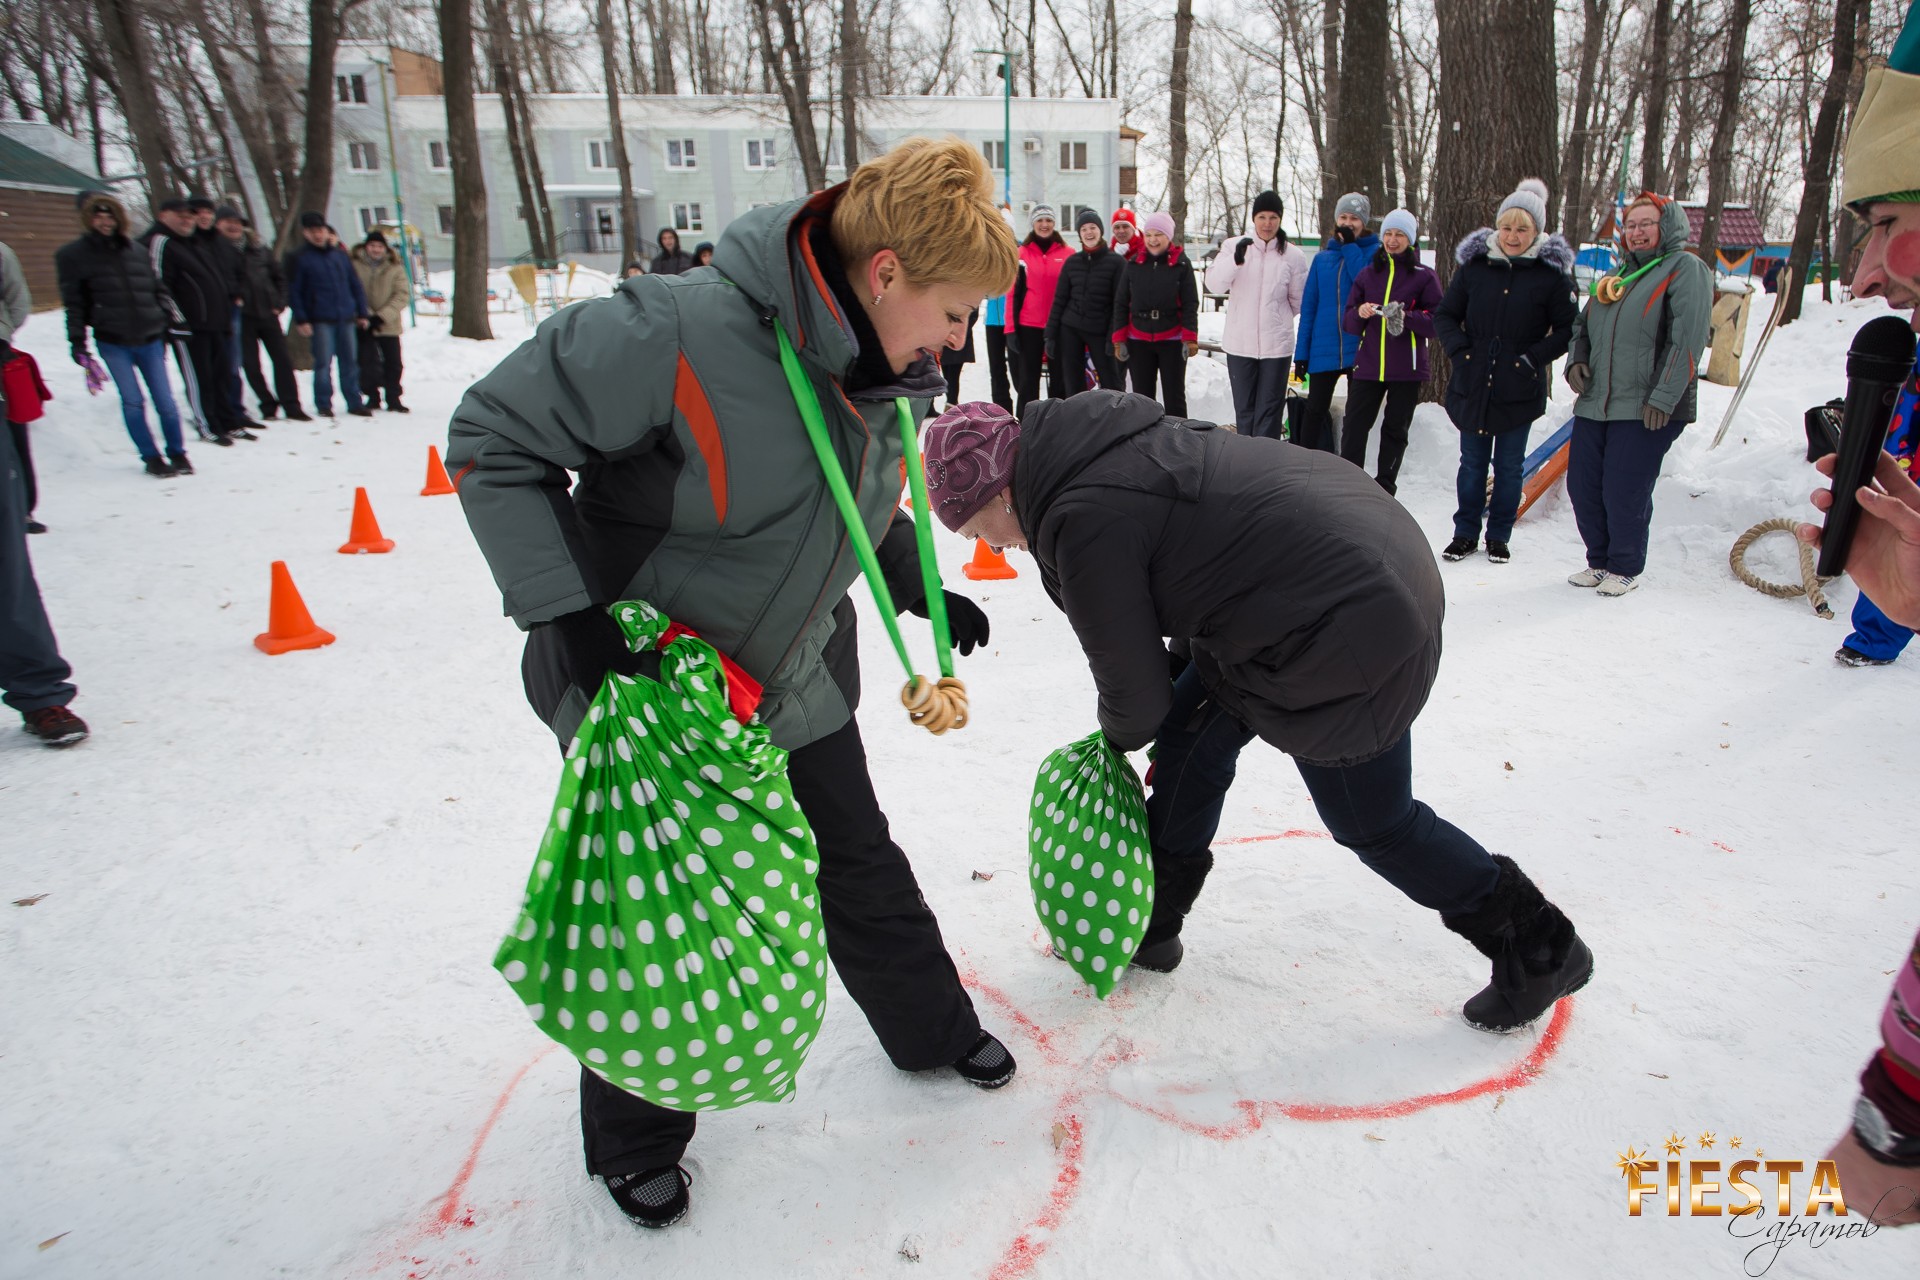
(1154, 315)
(1313, 609)
(1077, 327)
(1507, 316)
(108, 285)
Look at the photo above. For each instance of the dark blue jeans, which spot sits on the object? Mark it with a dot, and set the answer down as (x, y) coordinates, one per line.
(335, 339)
(128, 367)
(1506, 453)
(1610, 473)
(1259, 395)
(1368, 807)
(33, 675)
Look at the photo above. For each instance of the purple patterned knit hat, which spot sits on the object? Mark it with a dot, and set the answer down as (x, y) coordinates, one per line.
(969, 452)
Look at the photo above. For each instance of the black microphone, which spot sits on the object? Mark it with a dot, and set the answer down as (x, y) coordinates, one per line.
(1878, 366)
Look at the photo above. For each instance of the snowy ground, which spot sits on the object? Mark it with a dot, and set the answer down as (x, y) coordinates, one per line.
(250, 1029)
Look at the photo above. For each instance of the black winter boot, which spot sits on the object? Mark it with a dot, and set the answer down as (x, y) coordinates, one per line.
(653, 1197)
(1176, 884)
(1537, 957)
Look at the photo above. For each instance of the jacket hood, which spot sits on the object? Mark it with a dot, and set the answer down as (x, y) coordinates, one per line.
(1366, 240)
(1047, 243)
(768, 254)
(362, 258)
(1173, 255)
(94, 198)
(1674, 234)
(1058, 438)
(1551, 249)
(1408, 257)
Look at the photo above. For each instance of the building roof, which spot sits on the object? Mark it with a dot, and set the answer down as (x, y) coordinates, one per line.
(1739, 228)
(22, 166)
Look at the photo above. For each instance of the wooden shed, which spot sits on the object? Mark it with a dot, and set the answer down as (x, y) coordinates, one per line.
(39, 212)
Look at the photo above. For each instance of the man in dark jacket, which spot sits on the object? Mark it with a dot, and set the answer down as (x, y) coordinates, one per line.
(672, 260)
(329, 308)
(263, 296)
(108, 285)
(1079, 324)
(201, 290)
(1312, 606)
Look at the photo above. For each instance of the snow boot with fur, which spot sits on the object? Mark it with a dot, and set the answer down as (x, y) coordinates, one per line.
(1537, 957)
(1176, 884)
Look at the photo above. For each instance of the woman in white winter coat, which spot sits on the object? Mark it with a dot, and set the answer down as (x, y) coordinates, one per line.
(1263, 277)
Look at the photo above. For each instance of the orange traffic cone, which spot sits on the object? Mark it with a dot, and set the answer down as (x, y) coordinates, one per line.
(364, 536)
(437, 480)
(988, 565)
(289, 625)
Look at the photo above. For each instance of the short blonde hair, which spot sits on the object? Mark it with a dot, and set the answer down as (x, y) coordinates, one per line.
(932, 204)
(1516, 212)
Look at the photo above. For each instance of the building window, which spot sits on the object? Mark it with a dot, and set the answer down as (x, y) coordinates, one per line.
(762, 153)
(363, 157)
(1073, 157)
(996, 153)
(446, 219)
(371, 216)
(437, 157)
(1070, 219)
(686, 217)
(350, 88)
(600, 154)
(680, 154)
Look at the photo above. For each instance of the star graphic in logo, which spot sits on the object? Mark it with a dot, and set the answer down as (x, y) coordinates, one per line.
(1706, 1140)
(1734, 1142)
(1675, 1144)
(1633, 1159)
(1758, 1154)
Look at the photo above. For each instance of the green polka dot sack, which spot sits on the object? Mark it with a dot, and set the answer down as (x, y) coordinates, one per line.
(671, 936)
(1092, 876)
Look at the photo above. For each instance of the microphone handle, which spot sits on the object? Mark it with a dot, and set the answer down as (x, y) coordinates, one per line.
(1864, 423)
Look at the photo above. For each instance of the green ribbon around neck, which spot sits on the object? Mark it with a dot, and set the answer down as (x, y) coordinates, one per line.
(807, 400)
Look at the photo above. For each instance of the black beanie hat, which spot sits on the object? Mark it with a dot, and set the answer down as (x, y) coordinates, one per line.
(175, 204)
(226, 211)
(1269, 202)
(312, 219)
(197, 203)
(1086, 216)
(375, 234)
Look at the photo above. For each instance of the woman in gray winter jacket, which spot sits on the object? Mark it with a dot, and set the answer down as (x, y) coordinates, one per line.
(1312, 605)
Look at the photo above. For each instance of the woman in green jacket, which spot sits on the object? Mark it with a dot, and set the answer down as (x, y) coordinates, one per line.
(1634, 362)
(698, 491)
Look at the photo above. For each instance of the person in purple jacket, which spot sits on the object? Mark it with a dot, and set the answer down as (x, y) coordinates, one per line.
(1391, 307)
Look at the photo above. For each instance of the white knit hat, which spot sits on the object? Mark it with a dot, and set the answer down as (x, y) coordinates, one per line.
(1404, 222)
(1530, 198)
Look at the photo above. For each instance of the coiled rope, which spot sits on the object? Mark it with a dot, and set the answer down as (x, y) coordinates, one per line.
(1811, 584)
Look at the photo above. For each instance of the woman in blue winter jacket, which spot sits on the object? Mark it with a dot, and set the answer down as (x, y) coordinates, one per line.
(1324, 350)
(1508, 315)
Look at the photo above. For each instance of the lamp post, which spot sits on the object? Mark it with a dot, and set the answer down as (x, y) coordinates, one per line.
(1006, 119)
(399, 203)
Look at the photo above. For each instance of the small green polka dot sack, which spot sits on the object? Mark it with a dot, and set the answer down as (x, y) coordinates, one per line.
(1092, 876)
(671, 936)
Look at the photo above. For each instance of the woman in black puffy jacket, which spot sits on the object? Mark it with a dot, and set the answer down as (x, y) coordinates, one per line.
(1154, 315)
(1082, 308)
(1507, 316)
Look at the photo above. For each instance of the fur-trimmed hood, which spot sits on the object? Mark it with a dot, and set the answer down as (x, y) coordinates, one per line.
(93, 200)
(1550, 249)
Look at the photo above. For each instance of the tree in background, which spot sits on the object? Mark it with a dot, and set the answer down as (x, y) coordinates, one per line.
(469, 181)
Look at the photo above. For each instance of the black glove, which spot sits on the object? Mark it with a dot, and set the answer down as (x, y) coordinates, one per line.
(966, 621)
(1240, 251)
(592, 645)
(374, 323)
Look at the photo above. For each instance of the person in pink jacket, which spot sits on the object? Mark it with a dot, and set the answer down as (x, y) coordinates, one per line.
(1263, 277)
(1042, 254)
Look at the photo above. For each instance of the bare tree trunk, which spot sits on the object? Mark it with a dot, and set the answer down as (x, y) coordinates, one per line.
(316, 169)
(1720, 152)
(139, 101)
(1366, 112)
(1496, 127)
(247, 119)
(276, 103)
(1331, 22)
(469, 180)
(1177, 115)
(853, 60)
(1817, 178)
(660, 24)
(610, 65)
(1653, 145)
(499, 37)
(1573, 171)
(792, 72)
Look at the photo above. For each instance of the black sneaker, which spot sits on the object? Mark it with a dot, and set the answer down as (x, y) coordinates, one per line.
(34, 526)
(159, 469)
(241, 433)
(1460, 549)
(297, 414)
(987, 1064)
(180, 464)
(221, 439)
(1497, 552)
(653, 1198)
(55, 726)
(361, 412)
